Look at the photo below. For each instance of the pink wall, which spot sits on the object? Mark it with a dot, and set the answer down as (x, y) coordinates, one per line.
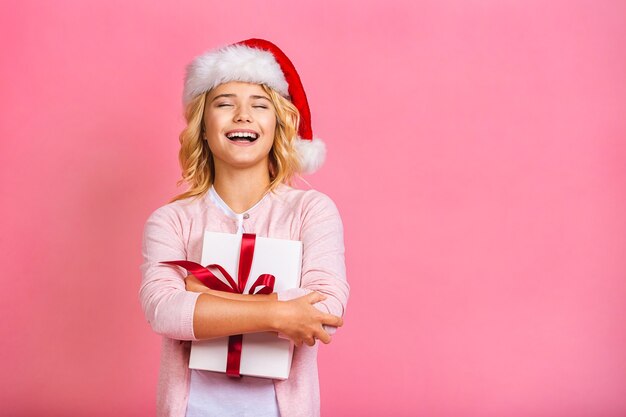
(477, 154)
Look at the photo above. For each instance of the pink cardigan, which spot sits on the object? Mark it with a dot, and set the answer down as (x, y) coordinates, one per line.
(175, 231)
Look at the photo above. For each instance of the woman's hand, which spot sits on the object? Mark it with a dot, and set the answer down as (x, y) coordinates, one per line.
(301, 322)
(193, 284)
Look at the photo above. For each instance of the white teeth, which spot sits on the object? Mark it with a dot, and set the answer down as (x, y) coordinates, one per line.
(241, 135)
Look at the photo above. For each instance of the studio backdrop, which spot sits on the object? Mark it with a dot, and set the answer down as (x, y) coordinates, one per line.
(476, 153)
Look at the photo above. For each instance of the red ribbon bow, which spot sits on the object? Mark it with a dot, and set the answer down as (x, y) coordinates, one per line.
(266, 281)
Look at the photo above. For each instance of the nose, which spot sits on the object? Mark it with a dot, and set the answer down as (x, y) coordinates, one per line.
(243, 115)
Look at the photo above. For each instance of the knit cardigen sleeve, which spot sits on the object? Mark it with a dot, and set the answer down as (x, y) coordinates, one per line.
(167, 306)
(323, 258)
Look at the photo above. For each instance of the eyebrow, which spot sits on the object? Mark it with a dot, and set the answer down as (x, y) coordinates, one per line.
(234, 95)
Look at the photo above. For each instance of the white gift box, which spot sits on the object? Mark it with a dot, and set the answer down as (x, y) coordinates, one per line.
(262, 354)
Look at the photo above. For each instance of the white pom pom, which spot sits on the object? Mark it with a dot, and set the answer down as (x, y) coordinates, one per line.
(312, 154)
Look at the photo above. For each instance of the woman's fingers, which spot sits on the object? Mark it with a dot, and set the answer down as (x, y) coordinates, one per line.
(303, 323)
(330, 320)
(309, 340)
(189, 282)
(315, 297)
(194, 284)
(323, 337)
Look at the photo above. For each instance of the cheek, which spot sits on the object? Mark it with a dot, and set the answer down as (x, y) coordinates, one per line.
(211, 136)
(212, 127)
(209, 122)
(272, 131)
(214, 119)
(269, 125)
(271, 134)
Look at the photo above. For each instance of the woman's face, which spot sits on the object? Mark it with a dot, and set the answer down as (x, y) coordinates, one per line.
(239, 121)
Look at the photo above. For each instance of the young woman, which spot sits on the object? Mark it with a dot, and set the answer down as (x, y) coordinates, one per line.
(248, 133)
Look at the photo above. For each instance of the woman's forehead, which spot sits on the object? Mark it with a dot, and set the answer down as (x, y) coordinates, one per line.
(238, 88)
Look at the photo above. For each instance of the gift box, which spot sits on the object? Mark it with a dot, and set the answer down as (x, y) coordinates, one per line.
(261, 354)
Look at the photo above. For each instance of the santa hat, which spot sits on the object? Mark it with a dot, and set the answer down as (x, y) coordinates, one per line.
(258, 61)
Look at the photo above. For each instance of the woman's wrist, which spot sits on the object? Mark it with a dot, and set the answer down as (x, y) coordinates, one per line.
(274, 316)
(243, 297)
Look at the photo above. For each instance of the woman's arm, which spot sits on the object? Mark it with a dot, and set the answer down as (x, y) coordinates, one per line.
(185, 315)
(194, 284)
(323, 261)
(168, 308)
(323, 272)
(297, 319)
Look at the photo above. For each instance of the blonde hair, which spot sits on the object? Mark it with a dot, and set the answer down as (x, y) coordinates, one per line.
(196, 159)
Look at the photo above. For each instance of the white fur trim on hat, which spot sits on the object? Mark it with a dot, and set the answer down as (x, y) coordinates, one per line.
(312, 154)
(233, 63)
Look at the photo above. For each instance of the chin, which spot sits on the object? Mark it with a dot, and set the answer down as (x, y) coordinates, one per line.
(244, 163)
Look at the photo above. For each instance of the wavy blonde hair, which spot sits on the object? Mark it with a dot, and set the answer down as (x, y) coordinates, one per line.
(196, 159)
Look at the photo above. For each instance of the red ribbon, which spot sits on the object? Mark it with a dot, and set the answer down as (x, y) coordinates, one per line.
(266, 281)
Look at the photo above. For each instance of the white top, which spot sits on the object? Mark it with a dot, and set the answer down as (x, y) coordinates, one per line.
(215, 394)
(217, 200)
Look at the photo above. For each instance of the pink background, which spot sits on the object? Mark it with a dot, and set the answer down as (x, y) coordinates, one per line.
(476, 151)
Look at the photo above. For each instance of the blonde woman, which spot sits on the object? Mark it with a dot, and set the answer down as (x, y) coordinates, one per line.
(248, 133)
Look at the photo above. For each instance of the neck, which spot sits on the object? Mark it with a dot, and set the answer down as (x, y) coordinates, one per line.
(241, 189)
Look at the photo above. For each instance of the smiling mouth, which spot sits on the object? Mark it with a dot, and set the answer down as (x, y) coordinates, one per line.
(242, 136)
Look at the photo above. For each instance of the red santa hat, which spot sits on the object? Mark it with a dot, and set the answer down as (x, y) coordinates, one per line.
(258, 61)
